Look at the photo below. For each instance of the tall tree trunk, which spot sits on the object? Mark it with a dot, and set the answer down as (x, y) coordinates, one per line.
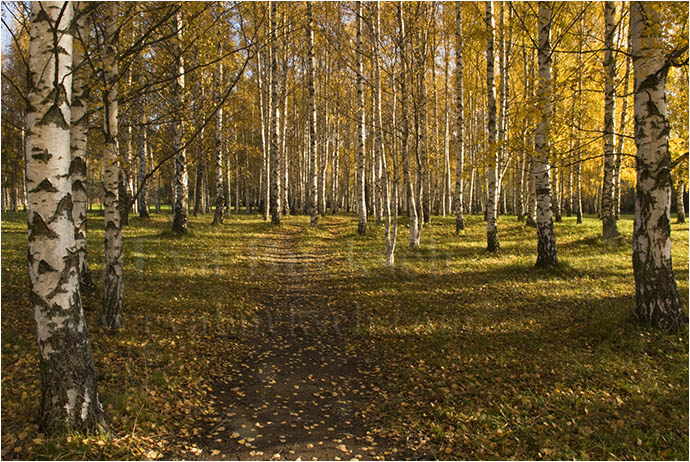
(181, 178)
(460, 107)
(276, 209)
(391, 223)
(69, 396)
(78, 138)
(405, 130)
(142, 141)
(200, 162)
(546, 238)
(621, 137)
(361, 202)
(656, 293)
(217, 140)
(264, 111)
(608, 214)
(311, 114)
(111, 313)
(492, 243)
(579, 109)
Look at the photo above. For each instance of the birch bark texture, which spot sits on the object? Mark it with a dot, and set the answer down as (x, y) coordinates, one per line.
(361, 127)
(405, 130)
(492, 244)
(69, 397)
(217, 140)
(460, 106)
(276, 211)
(311, 114)
(656, 293)
(111, 311)
(608, 212)
(78, 137)
(181, 181)
(546, 237)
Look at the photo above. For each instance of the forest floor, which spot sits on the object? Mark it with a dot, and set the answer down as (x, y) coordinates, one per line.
(455, 354)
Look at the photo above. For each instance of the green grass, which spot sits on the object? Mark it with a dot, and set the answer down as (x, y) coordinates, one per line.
(481, 356)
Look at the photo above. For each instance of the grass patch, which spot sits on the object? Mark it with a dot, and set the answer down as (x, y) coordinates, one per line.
(480, 356)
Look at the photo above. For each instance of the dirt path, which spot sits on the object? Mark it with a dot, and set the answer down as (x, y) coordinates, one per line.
(295, 392)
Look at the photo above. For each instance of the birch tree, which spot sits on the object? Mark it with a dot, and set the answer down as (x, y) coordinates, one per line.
(361, 127)
(111, 312)
(311, 115)
(405, 130)
(492, 244)
(276, 211)
(217, 140)
(78, 138)
(656, 293)
(181, 176)
(460, 107)
(69, 396)
(546, 238)
(608, 213)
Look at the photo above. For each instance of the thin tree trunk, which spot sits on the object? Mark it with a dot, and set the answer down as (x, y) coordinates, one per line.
(621, 137)
(680, 199)
(311, 114)
(608, 214)
(78, 138)
(492, 243)
(276, 210)
(405, 131)
(460, 107)
(546, 238)
(181, 178)
(361, 202)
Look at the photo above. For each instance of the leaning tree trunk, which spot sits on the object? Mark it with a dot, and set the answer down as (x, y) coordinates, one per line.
(492, 244)
(608, 213)
(460, 144)
(78, 137)
(311, 114)
(69, 396)
(276, 211)
(111, 314)
(361, 199)
(181, 190)
(546, 238)
(656, 293)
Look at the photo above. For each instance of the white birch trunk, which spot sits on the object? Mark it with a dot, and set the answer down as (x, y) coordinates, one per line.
(78, 134)
(276, 211)
(69, 396)
(656, 293)
(181, 176)
(460, 123)
(311, 114)
(608, 214)
(546, 238)
(111, 314)
(361, 127)
(492, 243)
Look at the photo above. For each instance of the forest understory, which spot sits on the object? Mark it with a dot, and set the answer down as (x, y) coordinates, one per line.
(454, 354)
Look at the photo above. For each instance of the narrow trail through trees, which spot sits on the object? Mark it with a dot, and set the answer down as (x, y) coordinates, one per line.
(295, 392)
